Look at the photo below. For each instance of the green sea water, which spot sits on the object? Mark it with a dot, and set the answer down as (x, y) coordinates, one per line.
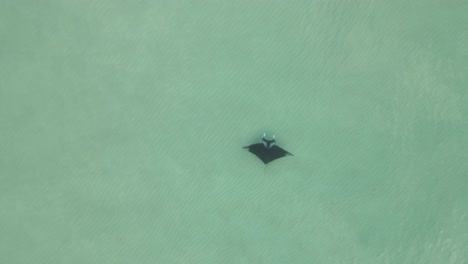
(122, 122)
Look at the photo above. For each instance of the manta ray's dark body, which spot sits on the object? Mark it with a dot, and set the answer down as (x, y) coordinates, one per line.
(267, 150)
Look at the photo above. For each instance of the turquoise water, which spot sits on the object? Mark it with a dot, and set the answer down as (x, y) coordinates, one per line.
(122, 124)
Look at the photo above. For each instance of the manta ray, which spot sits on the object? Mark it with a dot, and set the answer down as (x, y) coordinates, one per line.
(267, 151)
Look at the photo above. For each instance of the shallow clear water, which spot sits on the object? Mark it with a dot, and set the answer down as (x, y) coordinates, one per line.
(122, 125)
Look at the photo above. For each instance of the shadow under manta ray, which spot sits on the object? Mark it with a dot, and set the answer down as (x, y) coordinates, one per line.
(267, 151)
